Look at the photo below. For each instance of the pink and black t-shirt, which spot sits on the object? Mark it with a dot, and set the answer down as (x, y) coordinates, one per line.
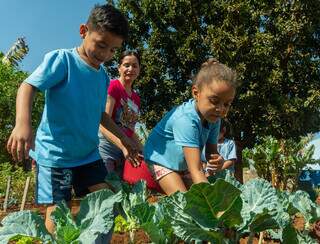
(126, 109)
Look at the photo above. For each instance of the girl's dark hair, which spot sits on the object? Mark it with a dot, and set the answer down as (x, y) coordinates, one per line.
(213, 70)
(108, 18)
(129, 53)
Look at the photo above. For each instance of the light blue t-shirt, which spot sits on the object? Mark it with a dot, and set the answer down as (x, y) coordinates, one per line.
(228, 151)
(75, 97)
(181, 127)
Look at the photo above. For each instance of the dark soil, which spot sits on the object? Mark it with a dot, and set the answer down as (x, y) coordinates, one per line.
(256, 241)
(140, 237)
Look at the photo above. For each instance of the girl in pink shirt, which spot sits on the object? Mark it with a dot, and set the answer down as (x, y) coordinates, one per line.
(123, 105)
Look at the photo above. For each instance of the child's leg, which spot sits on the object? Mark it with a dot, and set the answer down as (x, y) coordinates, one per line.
(48, 222)
(52, 185)
(169, 180)
(90, 178)
(171, 183)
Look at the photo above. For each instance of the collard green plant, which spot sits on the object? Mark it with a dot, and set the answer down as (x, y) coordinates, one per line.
(94, 219)
(223, 212)
(24, 223)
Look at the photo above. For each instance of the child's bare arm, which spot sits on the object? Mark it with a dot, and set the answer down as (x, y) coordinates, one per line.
(137, 141)
(107, 133)
(192, 156)
(228, 163)
(108, 124)
(21, 139)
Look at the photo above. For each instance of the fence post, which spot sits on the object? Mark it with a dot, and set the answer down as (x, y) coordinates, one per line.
(5, 204)
(25, 192)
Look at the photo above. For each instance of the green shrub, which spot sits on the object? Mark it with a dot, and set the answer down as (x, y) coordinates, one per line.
(10, 79)
(280, 161)
(18, 180)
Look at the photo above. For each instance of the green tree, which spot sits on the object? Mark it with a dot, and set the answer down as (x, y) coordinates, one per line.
(273, 45)
(16, 53)
(10, 79)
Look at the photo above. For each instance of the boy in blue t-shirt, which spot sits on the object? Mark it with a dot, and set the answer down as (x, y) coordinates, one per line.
(74, 82)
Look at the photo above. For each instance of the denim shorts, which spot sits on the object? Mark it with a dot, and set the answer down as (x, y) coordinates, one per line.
(56, 184)
(112, 156)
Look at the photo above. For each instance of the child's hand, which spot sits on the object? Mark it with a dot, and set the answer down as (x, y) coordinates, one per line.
(20, 142)
(214, 164)
(131, 151)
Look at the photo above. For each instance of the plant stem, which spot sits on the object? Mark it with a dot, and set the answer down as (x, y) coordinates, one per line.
(250, 238)
(131, 236)
(260, 237)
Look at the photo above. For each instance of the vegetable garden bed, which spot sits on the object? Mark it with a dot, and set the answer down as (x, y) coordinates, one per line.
(223, 212)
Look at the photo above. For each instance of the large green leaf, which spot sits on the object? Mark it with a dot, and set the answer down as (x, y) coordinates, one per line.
(206, 203)
(263, 221)
(66, 229)
(62, 215)
(232, 180)
(300, 200)
(25, 223)
(289, 235)
(305, 238)
(258, 197)
(96, 214)
(160, 229)
(232, 216)
(116, 183)
(143, 212)
(139, 193)
(184, 225)
(189, 231)
(68, 235)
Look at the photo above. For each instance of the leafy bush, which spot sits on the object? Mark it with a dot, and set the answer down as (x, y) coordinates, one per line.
(18, 180)
(10, 79)
(273, 45)
(280, 161)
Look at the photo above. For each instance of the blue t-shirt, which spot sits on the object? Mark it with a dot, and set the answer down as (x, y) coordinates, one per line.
(75, 97)
(228, 151)
(181, 127)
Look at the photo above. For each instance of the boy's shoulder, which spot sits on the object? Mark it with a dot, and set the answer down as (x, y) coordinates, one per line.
(59, 54)
(61, 51)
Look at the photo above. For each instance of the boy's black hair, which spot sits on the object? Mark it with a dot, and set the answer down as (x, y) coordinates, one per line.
(108, 18)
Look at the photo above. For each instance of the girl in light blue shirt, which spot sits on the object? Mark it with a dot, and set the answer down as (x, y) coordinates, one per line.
(173, 149)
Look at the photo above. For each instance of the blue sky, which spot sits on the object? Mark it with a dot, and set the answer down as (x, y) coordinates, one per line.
(46, 25)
